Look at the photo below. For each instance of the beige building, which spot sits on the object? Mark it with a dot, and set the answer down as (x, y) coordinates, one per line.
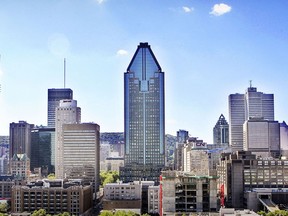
(196, 159)
(122, 196)
(80, 147)
(262, 137)
(183, 192)
(153, 199)
(112, 164)
(54, 197)
(66, 113)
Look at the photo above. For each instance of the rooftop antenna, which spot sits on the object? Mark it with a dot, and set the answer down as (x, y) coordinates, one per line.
(250, 83)
(64, 72)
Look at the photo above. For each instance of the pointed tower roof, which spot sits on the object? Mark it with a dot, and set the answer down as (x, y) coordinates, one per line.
(144, 55)
(222, 120)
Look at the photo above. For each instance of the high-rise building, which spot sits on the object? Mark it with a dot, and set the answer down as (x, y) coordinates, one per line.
(284, 138)
(182, 136)
(262, 137)
(43, 149)
(221, 131)
(66, 113)
(242, 107)
(81, 152)
(20, 138)
(144, 117)
(54, 97)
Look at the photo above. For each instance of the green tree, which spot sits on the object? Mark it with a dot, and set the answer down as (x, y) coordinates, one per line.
(108, 177)
(3, 207)
(263, 213)
(40, 212)
(51, 176)
(106, 213)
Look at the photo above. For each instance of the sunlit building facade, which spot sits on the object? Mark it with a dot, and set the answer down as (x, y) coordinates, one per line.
(242, 107)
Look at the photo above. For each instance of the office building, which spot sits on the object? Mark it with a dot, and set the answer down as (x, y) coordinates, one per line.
(262, 137)
(244, 106)
(182, 136)
(20, 138)
(284, 138)
(81, 152)
(43, 150)
(66, 113)
(144, 117)
(54, 97)
(242, 171)
(54, 196)
(221, 131)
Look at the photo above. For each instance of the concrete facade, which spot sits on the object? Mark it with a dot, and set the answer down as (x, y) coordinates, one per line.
(183, 193)
(262, 137)
(242, 171)
(66, 113)
(81, 152)
(122, 196)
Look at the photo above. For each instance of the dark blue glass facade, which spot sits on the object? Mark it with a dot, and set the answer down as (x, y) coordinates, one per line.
(144, 111)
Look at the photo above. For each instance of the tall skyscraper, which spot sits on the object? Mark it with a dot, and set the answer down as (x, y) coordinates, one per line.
(54, 97)
(144, 117)
(242, 107)
(66, 113)
(221, 131)
(43, 149)
(20, 138)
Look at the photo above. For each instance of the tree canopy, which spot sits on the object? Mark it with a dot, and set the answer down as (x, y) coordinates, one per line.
(108, 177)
(119, 213)
(274, 213)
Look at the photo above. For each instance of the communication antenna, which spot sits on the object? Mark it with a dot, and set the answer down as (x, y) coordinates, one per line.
(64, 72)
(250, 83)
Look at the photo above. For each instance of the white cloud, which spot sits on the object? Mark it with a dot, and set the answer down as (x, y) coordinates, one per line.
(187, 9)
(122, 52)
(220, 9)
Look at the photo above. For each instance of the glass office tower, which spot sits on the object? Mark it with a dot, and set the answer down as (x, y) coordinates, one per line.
(54, 97)
(144, 117)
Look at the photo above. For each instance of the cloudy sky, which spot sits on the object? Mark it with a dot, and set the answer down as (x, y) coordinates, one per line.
(207, 49)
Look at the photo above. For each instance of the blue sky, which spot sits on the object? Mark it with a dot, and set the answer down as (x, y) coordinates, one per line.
(207, 49)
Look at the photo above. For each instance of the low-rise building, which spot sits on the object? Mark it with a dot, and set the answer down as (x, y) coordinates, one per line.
(122, 196)
(54, 196)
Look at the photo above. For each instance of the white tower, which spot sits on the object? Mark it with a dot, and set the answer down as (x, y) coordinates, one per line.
(66, 113)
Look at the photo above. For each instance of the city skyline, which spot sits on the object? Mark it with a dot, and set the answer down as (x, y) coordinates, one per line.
(208, 50)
